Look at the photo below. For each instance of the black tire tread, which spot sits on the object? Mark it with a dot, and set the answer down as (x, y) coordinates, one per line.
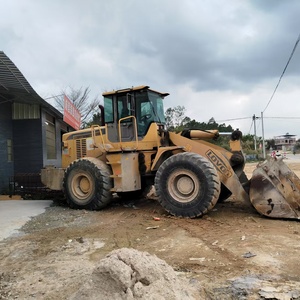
(102, 174)
(208, 171)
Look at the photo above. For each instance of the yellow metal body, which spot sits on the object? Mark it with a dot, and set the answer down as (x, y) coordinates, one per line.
(130, 149)
(121, 156)
(155, 146)
(134, 145)
(220, 158)
(93, 142)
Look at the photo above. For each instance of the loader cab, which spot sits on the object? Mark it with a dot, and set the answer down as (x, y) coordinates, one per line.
(129, 113)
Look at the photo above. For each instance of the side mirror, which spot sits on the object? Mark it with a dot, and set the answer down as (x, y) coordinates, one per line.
(102, 123)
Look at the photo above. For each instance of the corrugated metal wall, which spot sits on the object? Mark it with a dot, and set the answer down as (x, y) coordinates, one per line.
(28, 147)
(6, 166)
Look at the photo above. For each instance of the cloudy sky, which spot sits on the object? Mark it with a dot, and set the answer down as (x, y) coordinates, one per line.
(218, 58)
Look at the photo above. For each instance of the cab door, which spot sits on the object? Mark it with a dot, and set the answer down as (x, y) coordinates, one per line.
(119, 118)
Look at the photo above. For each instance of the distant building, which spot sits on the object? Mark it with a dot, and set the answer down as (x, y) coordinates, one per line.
(285, 142)
(30, 128)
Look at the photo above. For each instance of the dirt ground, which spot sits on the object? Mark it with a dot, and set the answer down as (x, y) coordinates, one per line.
(233, 252)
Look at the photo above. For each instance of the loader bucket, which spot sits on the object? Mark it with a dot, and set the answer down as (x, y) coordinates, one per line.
(275, 190)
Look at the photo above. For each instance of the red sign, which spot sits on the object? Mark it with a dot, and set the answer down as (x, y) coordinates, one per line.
(71, 114)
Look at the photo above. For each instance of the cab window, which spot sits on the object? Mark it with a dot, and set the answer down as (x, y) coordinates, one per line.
(124, 107)
(108, 110)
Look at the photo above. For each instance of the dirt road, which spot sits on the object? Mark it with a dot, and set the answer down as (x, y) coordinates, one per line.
(233, 252)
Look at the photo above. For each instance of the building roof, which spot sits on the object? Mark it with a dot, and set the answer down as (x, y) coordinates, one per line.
(287, 135)
(15, 88)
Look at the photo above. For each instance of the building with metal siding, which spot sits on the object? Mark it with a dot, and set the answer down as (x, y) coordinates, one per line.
(6, 136)
(30, 128)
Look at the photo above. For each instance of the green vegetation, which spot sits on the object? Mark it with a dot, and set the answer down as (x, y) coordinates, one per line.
(176, 121)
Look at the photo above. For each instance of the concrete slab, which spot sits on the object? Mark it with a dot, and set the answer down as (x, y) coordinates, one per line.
(291, 158)
(15, 213)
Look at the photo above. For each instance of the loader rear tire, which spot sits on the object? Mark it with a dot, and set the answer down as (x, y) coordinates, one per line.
(87, 184)
(187, 185)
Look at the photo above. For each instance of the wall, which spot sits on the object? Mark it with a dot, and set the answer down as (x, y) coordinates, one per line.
(60, 129)
(28, 147)
(6, 167)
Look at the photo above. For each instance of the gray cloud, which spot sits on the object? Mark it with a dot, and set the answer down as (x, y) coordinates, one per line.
(209, 46)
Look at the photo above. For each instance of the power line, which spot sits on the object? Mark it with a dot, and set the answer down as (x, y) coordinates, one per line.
(259, 120)
(243, 118)
(251, 126)
(296, 44)
(286, 118)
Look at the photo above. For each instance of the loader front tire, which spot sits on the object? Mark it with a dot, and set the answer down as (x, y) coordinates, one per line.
(87, 184)
(187, 185)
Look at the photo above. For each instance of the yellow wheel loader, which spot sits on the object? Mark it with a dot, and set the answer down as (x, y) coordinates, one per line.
(131, 150)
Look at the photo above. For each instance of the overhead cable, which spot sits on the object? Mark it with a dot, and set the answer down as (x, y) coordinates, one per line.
(251, 126)
(286, 118)
(296, 44)
(233, 119)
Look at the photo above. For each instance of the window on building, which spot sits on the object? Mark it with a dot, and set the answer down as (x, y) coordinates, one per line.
(9, 151)
(50, 137)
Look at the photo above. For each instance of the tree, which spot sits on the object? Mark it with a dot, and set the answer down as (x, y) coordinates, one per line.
(80, 98)
(175, 117)
(211, 121)
(248, 143)
(193, 124)
(177, 121)
(270, 144)
(96, 120)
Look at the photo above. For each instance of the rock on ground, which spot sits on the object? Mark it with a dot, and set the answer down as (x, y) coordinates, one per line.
(131, 274)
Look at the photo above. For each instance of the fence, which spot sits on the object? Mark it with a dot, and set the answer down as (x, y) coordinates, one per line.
(29, 186)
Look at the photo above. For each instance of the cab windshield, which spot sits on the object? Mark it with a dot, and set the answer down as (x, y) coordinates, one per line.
(149, 108)
(150, 105)
(146, 106)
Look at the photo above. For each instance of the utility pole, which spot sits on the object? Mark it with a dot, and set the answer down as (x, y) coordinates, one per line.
(263, 136)
(254, 121)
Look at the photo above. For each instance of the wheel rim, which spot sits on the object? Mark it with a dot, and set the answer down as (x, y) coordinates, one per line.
(81, 185)
(184, 185)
